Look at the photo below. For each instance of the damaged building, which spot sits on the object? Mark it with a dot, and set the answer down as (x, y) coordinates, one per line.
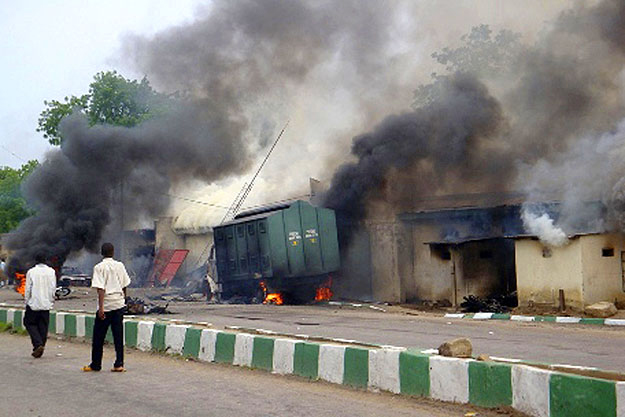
(443, 254)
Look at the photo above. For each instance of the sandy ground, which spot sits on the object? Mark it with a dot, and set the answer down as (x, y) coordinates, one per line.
(584, 345)
(157, 385)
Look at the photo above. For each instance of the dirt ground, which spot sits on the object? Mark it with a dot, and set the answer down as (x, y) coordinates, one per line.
(54, 386)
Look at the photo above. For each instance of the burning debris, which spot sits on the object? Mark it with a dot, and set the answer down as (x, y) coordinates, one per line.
(493, 304)
(137, 306)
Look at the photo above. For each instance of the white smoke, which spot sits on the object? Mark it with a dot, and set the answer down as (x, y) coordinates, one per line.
(543, 227)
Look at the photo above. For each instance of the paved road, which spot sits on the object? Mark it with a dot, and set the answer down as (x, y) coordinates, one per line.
(586, 345)
(163, 386)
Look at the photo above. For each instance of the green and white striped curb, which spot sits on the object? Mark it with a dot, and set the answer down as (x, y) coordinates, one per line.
(552, 319)
(536, 392)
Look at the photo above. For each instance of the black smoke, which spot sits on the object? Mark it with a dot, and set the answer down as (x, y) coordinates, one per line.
(446, 133)
(499, 131)
(76, 190)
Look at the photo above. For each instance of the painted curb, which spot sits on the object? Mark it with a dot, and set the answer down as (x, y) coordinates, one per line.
(552, 319)
(536, 392)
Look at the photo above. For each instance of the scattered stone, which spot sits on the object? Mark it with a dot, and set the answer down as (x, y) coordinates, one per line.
(601, 309)
(457, 348)
(483, 358)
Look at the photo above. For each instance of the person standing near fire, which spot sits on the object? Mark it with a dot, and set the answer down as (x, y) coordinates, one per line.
(111, 280)
(39, 299)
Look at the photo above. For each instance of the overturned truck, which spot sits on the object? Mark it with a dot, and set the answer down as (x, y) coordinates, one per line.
(290, 249)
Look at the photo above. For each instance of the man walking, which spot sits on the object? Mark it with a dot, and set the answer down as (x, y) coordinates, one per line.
(39, 299)
(111, 279)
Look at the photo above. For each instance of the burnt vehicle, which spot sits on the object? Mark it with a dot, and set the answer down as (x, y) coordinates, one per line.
(289, 249)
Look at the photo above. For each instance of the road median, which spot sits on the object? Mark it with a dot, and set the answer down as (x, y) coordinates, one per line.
(523, 387)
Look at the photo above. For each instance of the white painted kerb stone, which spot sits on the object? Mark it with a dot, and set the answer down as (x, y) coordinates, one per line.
(522, 318)
(80, 325)
(482, 316)
(620, 399)
(384, 369)
(449, 379)
(10, 315)
(331, 363)
(530, 390)
(60, 323)
(283, 354)
(144, 335)
(243, 349)
(208, 340)
(568, 319)
(174, 338)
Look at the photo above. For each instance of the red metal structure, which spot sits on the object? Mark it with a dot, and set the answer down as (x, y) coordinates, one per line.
(166, 264)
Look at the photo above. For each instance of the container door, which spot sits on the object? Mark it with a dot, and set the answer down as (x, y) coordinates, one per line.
(252, 249)
(294, 240)
(232, 251)
(329, 240)
(312, 247)
(221, 253)
(277, 245)
(264, 250)
(241, 243)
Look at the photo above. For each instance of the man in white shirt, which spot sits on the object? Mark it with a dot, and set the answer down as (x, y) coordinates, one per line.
(111, 279)
(39, 299)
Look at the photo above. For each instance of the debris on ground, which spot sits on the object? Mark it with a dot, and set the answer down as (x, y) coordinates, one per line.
(483, 358)
(136, 306)
(457, 348)
(602, 309)
(493, 304)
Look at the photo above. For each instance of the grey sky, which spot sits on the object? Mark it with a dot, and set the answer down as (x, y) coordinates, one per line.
(51, 49)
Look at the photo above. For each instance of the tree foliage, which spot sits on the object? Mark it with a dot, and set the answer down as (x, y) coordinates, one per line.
(479, 53)
(112, 99)
(13, 208)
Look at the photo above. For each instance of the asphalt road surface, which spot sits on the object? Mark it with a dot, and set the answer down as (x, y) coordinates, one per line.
(584, 345)
(157, 385)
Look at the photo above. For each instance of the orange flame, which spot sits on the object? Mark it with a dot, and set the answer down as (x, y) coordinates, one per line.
(324, 293)
(271, 298)
(21, 286)
(274, 298)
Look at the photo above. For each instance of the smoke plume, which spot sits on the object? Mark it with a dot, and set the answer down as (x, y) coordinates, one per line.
(554, 106)
(339, 69)
(76, 190)
(446, 134)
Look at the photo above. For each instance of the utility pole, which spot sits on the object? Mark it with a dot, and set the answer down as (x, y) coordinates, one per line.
(121, 221)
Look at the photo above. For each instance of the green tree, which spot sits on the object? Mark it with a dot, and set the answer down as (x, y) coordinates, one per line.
(13, 208)
(112, 99)
(480, 53)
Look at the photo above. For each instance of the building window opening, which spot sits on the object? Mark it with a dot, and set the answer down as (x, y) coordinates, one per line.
(441, 251)
(607, 252)
(486, 254)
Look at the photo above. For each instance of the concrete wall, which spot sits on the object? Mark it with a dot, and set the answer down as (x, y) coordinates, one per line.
(385, 261)
(540, 277)
(432, 276)
(603, 276)
(199, 249)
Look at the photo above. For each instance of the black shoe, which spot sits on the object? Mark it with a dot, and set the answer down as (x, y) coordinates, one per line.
(38, 352)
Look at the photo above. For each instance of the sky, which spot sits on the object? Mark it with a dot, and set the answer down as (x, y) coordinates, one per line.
(50, 49)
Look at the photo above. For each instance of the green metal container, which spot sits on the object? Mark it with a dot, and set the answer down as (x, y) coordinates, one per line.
(283, 243)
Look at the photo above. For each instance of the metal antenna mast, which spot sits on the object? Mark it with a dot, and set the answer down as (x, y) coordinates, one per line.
(245, 191)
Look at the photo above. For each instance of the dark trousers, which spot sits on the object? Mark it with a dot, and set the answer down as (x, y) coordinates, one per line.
(36, 323)
(115, 319)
